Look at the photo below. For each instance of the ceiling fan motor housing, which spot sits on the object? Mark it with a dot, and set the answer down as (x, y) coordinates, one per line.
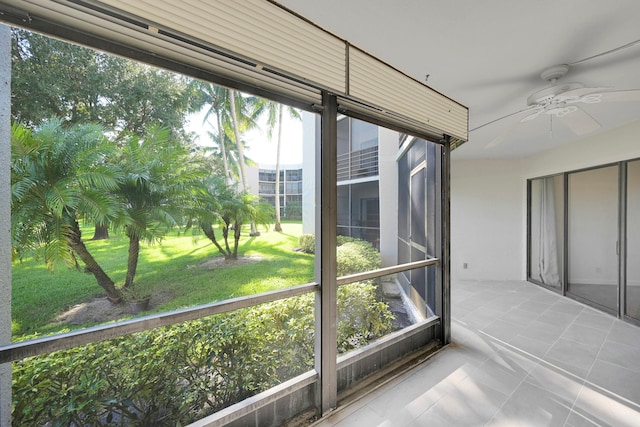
(545, 96)
(554, 73)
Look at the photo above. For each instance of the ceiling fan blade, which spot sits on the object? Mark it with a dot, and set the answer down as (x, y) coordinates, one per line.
(608, 52)
(621, 96)
(501, 138)
(580, 122)
(532, 116)
(577, 93)
(504, 117)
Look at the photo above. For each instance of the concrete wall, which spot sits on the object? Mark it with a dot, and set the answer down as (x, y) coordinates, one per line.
(488, 201)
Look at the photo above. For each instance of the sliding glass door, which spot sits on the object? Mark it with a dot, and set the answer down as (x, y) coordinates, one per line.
(584, 236)
(593, 244)
(632, 296)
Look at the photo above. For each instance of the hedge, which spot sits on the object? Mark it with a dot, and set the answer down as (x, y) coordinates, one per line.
(174, 375)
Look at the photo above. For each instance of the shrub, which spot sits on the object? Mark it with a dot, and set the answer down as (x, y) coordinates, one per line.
(356, 256)
(175, 375)
(361, 317)
(307, 243)
(341, 240)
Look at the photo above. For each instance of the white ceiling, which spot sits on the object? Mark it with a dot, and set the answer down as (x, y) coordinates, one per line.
(488, 55)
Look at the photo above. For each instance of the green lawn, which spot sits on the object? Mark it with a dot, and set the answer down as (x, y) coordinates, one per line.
(171, 268)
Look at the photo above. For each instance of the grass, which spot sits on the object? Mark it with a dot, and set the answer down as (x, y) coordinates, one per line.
(171, 268)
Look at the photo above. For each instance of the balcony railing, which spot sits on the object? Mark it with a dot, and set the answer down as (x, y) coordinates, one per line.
(358, 164)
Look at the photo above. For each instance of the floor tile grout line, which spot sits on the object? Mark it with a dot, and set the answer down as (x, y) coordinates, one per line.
(585, 382)
(600, 349)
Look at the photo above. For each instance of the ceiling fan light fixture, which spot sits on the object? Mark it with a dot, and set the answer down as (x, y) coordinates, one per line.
(560, 110)
(546, 95)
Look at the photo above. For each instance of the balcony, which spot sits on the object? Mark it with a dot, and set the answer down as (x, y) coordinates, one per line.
(358, 164)
(520, 355)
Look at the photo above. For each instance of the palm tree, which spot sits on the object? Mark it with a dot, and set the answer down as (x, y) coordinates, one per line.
(225, 156)
(250, 108)
(159, 177)
(59, 176)
(216, 97)
(235, 114)
(230, 209)
(274, 112)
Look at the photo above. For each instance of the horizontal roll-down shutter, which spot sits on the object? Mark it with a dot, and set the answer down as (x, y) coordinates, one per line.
(259, 44)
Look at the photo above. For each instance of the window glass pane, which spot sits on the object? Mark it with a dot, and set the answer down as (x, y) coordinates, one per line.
(365, 212)
(418, 221)
(374, 216)
(363, 135)
(593, 236)
(167, 193)
(344, 145)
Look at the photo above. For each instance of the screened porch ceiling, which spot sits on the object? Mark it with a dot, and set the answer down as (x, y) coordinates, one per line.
(488, 55)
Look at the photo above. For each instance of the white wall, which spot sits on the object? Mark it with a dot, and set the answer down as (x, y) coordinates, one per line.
(252, 179)
(487, 212)
(619, 144)
(388, 190)
(309, 160)
(488, 201)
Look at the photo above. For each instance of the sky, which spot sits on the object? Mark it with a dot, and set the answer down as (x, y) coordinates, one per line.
(258, 147)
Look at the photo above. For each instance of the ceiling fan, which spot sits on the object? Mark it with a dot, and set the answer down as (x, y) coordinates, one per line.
(563, 101)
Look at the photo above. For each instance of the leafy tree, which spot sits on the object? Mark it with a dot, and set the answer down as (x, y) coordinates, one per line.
(53, 78)
(224, 156)
(59, 176)
(230, 209)
(274, 111)
(159, 176)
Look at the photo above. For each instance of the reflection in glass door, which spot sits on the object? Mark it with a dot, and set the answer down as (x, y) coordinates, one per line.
(593, 237)
(632, 308)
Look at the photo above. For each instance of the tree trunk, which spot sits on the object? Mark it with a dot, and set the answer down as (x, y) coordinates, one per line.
(208, 231)
(236, 239)
(223, 149)
(101, 232)
(132, 261)
(225, 234)
(241, 164)
(91, 265)
(278, 226)
(236, 134)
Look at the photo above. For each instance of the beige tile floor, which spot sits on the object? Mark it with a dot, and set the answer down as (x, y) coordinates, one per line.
(520, 356)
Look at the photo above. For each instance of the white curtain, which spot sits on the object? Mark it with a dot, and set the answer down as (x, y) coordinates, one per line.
(547, 238)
